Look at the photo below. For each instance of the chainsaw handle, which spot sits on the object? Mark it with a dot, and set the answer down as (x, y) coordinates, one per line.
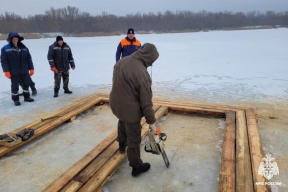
(163, 136)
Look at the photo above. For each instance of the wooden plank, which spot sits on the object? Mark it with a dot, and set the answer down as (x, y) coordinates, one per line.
(187, 104)
(72, 119)
(100, 160)
(97, 181)
(47, 127)
(156, 107)
(95, 165)
(105, 98)
(256, 153)
(26, 126)
(103, 173)
(66, 177)
(204, 105)
(195, 109)
(63, 110)
(227, 170)
(73, 186)
(244, 180)
(185, 107)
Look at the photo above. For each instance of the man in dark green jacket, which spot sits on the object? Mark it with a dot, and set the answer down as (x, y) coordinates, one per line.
(131, 99)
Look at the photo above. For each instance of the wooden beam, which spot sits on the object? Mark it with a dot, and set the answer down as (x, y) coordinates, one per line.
(105, 98)
(204, 105)
(98, 162)
(244, 180)
(68, 175)
(194, 109)
(57, 113)
(235, 173)
(241, 150)
(72, 186)
(184, 107)
(47, 127)
(72, 119)
(256, 153)
(227, 170)
(97, 181)
(75, 176)
(103, 173)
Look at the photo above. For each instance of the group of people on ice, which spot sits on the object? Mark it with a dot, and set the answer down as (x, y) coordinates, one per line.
(17, 65)
(130, 97)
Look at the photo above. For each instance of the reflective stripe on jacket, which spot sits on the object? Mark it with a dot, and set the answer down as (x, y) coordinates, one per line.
(60, 57)
(16, 61)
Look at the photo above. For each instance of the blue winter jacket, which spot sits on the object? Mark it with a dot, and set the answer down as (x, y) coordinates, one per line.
(126, 47)
(16, 61)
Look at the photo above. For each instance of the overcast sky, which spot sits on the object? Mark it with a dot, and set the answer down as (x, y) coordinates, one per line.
(117, 7)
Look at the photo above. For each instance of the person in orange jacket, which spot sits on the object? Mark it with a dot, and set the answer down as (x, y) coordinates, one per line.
(16, 61)
(127, 45)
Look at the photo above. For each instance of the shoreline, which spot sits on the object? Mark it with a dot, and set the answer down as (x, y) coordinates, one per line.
(118, 33)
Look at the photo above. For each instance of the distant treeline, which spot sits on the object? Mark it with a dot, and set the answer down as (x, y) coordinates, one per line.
(70, 20)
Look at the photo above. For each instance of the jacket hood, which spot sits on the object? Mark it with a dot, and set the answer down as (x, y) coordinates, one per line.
(14, 34)
(147, 53)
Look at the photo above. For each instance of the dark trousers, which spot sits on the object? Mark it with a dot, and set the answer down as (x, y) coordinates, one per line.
(15, 81)
(31, 83)
(57, 77)
(130, 134)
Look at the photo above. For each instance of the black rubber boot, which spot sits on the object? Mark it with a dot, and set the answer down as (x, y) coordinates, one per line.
(136, 171)
(28, 99)
(15, 98)
(122, 147)
(56, 91)
(17, 103)
(34, 91)
(68, 91)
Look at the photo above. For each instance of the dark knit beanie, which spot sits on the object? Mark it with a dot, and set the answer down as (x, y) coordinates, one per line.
(59, 38)
(130, 31)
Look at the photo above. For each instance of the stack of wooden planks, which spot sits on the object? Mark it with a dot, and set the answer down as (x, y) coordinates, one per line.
(241, 150)
(91, 172)
(53, 120)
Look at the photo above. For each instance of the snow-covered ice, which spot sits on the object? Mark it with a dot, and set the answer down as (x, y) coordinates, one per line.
(230, 67)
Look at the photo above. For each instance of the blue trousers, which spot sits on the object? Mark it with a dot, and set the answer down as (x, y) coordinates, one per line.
(31, 83)
(15, 81)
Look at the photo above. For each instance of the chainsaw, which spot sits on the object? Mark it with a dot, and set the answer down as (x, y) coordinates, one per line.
(154, 144)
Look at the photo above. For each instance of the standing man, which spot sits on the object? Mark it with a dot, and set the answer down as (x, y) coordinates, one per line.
(128, 45)
(60, 57)
(131, 99)
(16, 61)
(31, 83)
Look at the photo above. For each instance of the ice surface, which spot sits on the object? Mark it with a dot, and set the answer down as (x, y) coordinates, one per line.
(227, 67)
(241, 64)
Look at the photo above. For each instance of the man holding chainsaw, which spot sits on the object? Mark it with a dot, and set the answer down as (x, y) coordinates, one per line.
(131, 99)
